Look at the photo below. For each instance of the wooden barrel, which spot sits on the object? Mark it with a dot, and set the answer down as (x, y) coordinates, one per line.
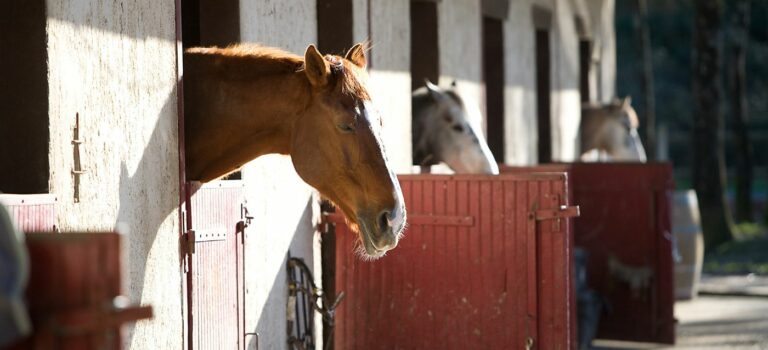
(688, 242)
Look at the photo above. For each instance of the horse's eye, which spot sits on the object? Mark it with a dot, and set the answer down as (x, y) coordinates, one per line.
(347, 128)
(458, 128)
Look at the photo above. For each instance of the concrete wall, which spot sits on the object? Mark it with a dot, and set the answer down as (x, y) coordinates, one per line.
(521, 121)
(114, 64)
(283, 207)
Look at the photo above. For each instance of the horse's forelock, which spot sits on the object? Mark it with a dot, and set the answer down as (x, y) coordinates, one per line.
(347, 79)
(455, 97)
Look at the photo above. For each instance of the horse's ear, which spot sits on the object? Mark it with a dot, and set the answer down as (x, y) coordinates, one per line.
(316, 67)
(626, 102)
(356, 55)
(433, 90)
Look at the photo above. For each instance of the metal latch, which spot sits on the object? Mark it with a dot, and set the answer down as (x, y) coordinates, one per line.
(197, 236)
(559, 213)
(562, 212)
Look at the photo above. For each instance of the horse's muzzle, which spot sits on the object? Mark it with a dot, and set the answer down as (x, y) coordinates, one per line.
(382, 234)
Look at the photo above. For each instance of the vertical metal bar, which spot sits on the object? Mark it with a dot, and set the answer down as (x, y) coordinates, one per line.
(183, 194)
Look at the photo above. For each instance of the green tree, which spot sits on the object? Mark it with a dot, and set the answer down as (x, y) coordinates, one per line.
(708, 157)
(648, 116)
(744, 155)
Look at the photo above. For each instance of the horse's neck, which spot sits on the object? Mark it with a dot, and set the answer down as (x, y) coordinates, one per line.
(594, 129)
(241, 119)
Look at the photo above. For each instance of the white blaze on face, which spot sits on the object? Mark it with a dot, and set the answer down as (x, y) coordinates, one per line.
(635, 149)
(474, 119)
(371, 113)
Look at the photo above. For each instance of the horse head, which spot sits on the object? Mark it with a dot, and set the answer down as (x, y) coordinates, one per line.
(630, 147)
(445, 129)
(336, 147)
(612, 128)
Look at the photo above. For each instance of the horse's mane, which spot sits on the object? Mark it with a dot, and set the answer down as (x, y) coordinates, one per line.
(252, 58)
(257, 60)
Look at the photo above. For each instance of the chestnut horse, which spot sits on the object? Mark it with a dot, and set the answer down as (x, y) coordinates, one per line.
(245, 101)
(444, 130)
(609, 132)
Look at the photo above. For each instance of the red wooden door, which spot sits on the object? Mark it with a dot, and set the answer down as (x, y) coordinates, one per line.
(484, 264)
(625, 228)
(215, 265)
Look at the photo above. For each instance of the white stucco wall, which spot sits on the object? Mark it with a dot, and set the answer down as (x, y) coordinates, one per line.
(604, 51)
(281, 203)
(566, 99)
(460, 44)
(390, 79)
(114, 63)
(520, 94)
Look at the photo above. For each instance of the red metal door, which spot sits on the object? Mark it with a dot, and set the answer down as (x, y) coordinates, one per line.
(625, 228)
(484, 264)
(215, 265)
(31, 212)
(71, 294)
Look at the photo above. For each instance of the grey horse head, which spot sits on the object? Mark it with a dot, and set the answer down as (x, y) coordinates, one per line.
(444, 131)
(611, 129)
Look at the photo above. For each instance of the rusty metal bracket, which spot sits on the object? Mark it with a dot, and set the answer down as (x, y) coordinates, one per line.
(77, 169)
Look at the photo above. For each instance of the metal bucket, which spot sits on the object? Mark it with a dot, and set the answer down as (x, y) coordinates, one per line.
(689, 244)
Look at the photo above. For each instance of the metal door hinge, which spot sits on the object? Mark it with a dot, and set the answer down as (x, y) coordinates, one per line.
(190, 235)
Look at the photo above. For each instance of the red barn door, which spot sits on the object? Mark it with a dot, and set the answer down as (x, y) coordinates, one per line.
(31, 212)
(625, 227)
(215, 265)
(484, 264)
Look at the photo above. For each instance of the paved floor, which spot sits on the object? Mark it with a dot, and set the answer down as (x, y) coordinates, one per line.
(750, 284)
(715, 322)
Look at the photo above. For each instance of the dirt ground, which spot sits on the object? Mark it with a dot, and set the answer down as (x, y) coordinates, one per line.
(714, 322)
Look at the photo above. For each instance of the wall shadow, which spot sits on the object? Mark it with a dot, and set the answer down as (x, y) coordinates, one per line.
(145, 201)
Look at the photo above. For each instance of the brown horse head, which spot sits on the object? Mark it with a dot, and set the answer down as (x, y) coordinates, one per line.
(611, 129)
(336, 147)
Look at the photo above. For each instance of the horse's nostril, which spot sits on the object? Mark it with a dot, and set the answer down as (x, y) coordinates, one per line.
(384, 220)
